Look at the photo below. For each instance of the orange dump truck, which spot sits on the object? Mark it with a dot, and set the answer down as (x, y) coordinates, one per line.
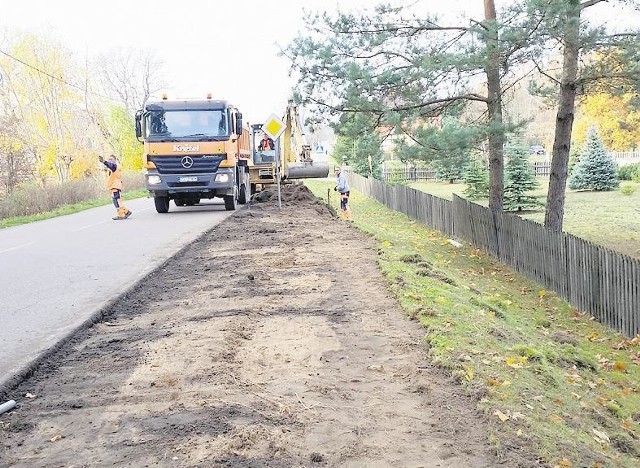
(194, 149)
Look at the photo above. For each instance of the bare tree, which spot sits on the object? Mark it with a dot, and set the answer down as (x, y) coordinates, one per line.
(130, 77)
(15, 164)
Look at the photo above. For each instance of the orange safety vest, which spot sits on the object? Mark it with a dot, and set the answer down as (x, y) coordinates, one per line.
(266, 144)
(114, 181)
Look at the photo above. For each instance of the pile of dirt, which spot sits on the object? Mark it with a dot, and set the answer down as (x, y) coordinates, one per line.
(271, 341)
(292, 195)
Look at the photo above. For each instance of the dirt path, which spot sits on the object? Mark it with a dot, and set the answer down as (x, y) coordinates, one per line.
(272, 341)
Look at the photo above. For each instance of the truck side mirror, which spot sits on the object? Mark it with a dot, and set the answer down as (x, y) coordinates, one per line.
(138, 125)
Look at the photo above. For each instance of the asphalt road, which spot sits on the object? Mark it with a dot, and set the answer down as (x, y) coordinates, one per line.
(56, 274)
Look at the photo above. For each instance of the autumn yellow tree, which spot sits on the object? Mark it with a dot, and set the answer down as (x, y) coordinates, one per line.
(617, 118)
(38, 76)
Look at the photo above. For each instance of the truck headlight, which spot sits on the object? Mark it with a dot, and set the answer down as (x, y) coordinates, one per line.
(222, 178)
(153, 180)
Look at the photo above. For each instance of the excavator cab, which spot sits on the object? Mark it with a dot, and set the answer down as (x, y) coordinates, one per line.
(260, 154)
(291, 156)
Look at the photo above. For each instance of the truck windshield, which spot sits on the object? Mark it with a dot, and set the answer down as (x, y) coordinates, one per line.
(186, 123)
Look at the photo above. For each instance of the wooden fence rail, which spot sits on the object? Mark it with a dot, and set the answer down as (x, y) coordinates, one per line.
(594, 279)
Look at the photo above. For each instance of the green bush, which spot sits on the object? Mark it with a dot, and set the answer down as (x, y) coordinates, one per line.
(629, 172)
(627, 189)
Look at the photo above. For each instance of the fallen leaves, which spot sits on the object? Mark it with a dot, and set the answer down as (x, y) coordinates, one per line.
(469, 373)
(556, 418)
(496, 383)
(600, 436)
(574, 379)
(564, 463)
(626, 344)
(514, 415)
(516, 362)
(620, 366)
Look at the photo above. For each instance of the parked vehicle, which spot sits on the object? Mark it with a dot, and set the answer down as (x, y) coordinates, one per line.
(194, 149)
(537, 149)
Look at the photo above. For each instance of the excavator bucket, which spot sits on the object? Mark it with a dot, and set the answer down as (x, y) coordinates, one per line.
(307, 170)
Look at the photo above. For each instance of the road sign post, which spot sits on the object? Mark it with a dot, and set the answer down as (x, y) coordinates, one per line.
(274, 127)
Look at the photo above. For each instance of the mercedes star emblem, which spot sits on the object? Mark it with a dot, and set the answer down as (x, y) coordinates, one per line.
(187, 162)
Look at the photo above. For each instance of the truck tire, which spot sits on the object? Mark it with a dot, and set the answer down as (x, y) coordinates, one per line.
(245, 194)
(231, 201)
(179, 202)
(162, 204)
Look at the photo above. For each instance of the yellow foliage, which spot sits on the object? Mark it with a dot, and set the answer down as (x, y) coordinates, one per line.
(564, 463)
(617, 121)
(503, 417)
(516, 362)
(469, 373)
(620, 366)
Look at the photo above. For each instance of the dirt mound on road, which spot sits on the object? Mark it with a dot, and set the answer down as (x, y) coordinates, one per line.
(271, 341)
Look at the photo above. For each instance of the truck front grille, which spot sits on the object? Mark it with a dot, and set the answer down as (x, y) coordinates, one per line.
(187, 163)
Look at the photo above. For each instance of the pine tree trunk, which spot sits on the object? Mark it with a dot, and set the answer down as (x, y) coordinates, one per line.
(494, 107)
(554, 213)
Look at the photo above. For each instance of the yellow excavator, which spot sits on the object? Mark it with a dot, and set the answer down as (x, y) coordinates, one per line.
(290, 158)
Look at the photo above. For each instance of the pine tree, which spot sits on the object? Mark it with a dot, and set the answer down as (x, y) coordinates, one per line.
(595, 170)
(521, 178)
(477, 179)
(356, 142)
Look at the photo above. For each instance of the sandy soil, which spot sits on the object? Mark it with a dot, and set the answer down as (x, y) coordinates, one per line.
(271, 341)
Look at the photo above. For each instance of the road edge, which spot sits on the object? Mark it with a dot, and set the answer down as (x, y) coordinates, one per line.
(9, 383)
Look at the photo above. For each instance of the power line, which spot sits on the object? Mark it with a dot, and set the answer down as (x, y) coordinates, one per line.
(55, 77)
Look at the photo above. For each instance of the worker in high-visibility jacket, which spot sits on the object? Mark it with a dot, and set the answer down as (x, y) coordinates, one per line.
(114, 184)
(266, 144)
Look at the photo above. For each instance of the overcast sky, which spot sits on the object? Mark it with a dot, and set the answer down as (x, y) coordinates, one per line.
(228, 48)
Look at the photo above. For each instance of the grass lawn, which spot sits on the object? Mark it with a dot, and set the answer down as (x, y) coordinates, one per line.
(548, 378)
(610, 219)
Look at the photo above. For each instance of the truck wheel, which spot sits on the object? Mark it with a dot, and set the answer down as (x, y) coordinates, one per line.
(179, 202)
(245, 194)
(162, 204)
(231, 201)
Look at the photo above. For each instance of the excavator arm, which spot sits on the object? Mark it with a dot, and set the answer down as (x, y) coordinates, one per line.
(296, 154)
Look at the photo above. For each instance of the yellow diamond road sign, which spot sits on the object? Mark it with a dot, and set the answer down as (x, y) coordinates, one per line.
(273, 127)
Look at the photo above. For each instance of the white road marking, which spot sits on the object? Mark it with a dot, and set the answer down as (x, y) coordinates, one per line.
(16, 247)
(88, 226)
(99, 223)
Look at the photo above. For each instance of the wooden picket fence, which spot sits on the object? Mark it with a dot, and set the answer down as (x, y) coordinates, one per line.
(541, 168)
(594, 279)
(409, 174)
